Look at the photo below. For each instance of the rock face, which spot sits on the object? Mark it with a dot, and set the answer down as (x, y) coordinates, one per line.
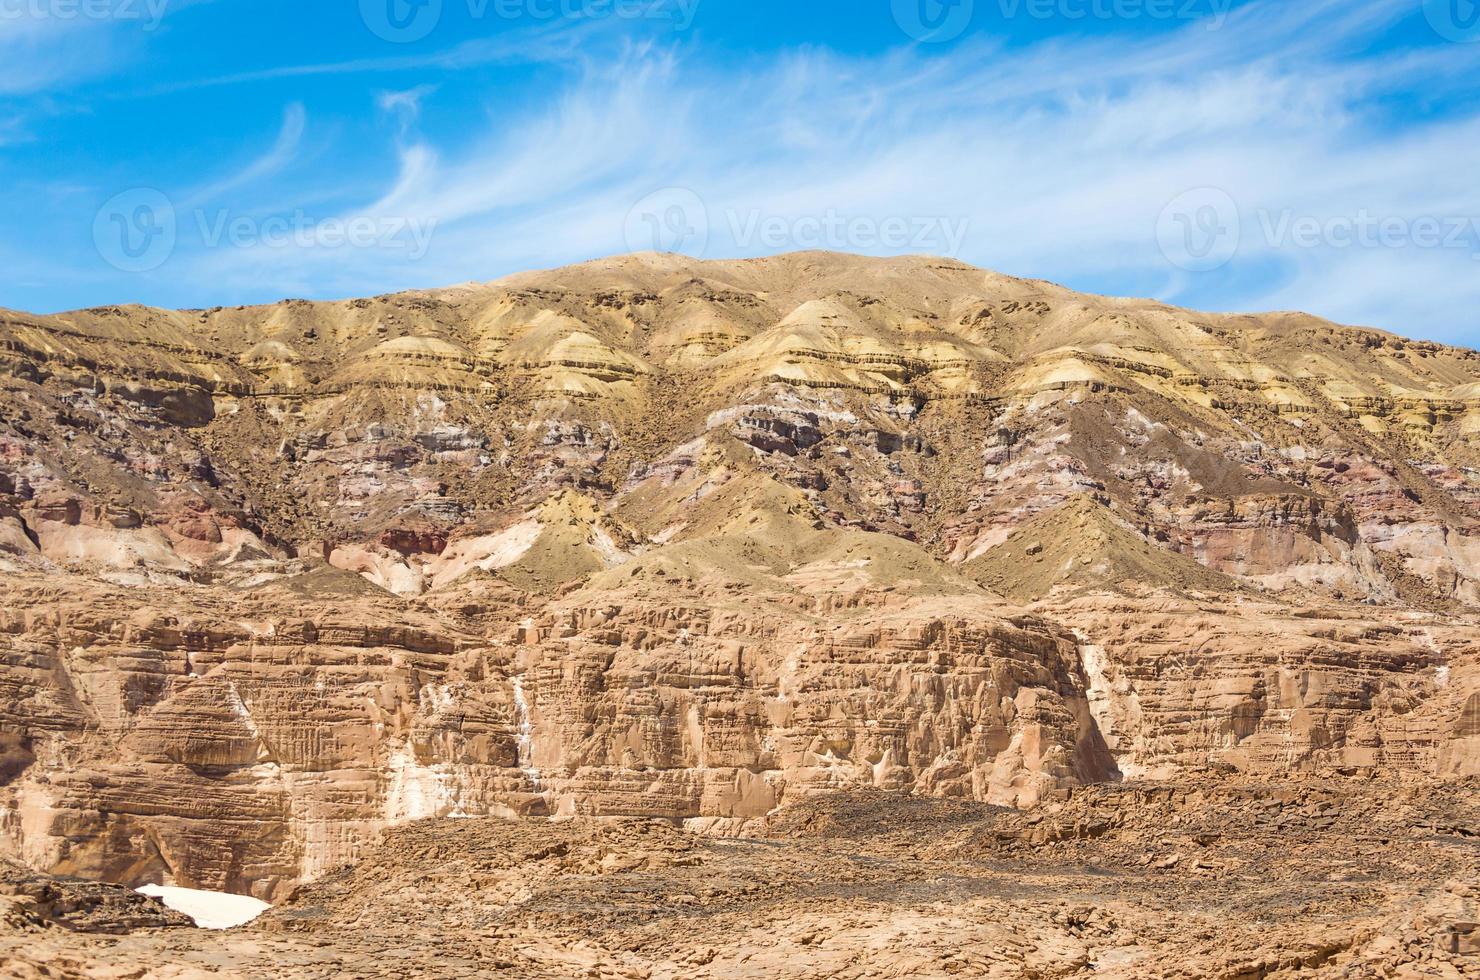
(31, 903)
(651, 537)
(236, 750)
(1190, 878)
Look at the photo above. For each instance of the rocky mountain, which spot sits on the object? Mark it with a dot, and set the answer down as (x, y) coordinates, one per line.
(696, 541)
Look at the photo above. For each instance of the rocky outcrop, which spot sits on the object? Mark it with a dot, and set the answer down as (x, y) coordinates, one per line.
(700, 541)
(32, 903)
(249, 755)
(251, 749)
(1321, 878)
(1267, 688)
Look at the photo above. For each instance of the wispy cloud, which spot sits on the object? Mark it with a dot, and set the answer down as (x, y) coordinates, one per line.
(40, 53)
(52, 47)
(404, 106)
(1057, 159)
(553, 42)
(283, 150)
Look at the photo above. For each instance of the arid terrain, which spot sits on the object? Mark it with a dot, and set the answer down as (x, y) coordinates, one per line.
(1202, 878)
(814, 616)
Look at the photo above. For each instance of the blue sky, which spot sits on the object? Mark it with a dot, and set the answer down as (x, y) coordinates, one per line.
(1222, 154)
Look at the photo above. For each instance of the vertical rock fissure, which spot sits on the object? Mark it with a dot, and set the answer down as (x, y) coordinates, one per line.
(525, 737)
(1100, 696)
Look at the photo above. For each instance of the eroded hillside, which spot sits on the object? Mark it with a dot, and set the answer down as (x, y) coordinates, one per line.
(652, 537)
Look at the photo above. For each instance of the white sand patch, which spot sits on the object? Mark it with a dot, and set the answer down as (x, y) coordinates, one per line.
(210, 910)
(607, 549)
(488, 552)
(385, 569)
(108, 547)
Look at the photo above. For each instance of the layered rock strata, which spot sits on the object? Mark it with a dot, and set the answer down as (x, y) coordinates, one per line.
(659, 538)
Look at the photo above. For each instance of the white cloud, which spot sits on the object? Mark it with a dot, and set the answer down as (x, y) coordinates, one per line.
(40, 53)
(404, 106)
(1059, 157)
(284, 149)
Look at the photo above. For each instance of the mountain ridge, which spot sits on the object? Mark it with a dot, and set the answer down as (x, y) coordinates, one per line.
(696, 542)
(653, 348)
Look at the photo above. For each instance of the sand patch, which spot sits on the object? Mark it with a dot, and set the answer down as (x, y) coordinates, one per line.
(210, 910)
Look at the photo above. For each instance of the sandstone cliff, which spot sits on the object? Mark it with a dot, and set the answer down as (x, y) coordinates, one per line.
(656, 537)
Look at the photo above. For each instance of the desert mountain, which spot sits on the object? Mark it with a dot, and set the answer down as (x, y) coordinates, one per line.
(1081, 545)
(652, 537)
(917, 397)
